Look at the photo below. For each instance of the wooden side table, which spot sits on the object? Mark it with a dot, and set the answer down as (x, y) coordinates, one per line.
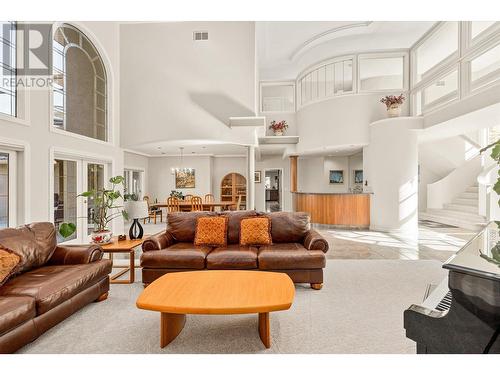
(125, 246)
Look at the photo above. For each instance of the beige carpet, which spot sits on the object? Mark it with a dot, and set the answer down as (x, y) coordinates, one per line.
(359, 310)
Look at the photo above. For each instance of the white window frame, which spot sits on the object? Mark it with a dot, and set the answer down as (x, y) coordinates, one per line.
(483, 36)
(444, 100)
(12, 187)
(111, 139)
(406, 70)
(142, 173)
(277, 83)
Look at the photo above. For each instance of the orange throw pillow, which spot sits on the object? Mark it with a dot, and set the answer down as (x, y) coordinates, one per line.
(255, 231)
(8, 262)
(211, 231)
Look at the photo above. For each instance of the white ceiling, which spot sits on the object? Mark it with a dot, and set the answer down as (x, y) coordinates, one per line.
(287, 48)
(191, 148)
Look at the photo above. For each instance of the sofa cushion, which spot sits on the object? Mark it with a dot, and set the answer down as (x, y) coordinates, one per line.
(8, 262)
(233, 225)
(255, 231)
(182, 225)
(15, 311)
(33, 243)
(286, 256)
(180, 255)
(52, 285)
(211, 231)
(232, 257)
(289, 226)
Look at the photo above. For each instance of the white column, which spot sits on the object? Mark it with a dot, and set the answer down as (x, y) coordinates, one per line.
(392, 157)
(250, 177)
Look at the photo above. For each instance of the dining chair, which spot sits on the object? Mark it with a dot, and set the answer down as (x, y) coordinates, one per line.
(173, 204)
(153, 212)
(237, 206)
(196, 204)
(209, 198)
(188, 197)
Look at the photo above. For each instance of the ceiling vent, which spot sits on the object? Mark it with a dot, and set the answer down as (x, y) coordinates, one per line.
(200, 35)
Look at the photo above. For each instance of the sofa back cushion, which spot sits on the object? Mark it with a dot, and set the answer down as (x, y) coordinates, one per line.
(233, 226)
(289, 226)
(182, 225)
(33, 243)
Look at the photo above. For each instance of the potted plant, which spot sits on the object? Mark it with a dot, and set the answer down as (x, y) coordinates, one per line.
(393, 104)
(278, 128)
(106, 209)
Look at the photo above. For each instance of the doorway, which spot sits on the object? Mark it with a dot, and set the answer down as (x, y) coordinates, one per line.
(273, 189)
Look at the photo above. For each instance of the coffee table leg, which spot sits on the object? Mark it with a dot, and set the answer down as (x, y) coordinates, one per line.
(170, 327)
(264, 329)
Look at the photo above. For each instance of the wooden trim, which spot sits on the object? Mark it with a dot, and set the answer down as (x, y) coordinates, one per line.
(293, 173)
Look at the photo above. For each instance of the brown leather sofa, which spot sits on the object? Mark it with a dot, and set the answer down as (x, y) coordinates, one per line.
(36, 300)
(297, 250)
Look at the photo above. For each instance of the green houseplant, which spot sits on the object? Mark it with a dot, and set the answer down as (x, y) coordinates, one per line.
(495, 155)
(106, 209)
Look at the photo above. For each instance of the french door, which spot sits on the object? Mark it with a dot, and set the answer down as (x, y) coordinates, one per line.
(8, 169)
(73, 176)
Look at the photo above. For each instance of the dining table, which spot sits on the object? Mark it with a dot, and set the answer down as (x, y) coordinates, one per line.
(186, 205)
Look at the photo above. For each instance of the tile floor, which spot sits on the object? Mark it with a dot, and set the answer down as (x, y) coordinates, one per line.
(435, 241)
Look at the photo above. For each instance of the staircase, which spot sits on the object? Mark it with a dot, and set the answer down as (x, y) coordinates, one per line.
(461, 212)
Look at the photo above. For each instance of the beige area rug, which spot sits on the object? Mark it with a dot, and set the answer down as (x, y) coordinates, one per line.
(359, 310)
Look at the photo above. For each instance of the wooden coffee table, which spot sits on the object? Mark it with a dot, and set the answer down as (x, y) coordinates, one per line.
(216, 292)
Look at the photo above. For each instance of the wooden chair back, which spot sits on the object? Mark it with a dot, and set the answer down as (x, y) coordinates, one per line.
(196, 204)
(173, 204)
(188, 197)
(238, 204)
(209, 198)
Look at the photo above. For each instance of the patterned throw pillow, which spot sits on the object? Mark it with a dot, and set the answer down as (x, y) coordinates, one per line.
(8, 262)
(211, 231)
(255, 231)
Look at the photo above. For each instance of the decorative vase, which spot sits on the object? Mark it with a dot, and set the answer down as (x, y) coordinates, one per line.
(101, 237)
(394, 110)
(278, 132)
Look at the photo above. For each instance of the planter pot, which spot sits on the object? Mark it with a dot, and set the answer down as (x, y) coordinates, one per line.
(394, 111)
(278, 132)
(101, 237)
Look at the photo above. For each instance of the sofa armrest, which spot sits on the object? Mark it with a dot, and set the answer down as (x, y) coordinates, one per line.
(158, 241)
(315, 241)
(76, 254)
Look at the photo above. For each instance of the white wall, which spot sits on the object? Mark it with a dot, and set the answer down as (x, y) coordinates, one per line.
(161, 181)
(174, 88)
(314, 173)
(39, 139)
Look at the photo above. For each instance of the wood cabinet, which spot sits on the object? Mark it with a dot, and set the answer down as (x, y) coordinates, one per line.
(232, 185)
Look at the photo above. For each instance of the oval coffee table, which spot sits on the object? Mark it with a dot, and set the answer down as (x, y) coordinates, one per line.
(216, 292)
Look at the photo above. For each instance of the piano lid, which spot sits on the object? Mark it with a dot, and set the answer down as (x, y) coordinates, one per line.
(480, 256)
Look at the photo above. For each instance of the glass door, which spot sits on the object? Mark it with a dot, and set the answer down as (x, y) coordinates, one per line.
(8, 198)
(95, 181)
(134, 182)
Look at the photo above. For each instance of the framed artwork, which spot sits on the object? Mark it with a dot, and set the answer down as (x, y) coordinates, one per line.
(336, 177)
(257, 177)
(185, 179)
(358, 176)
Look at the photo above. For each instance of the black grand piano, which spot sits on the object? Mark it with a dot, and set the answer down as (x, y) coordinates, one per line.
(462, 314)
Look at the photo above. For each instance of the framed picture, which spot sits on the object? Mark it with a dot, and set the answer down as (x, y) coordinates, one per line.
(358, 176)
(257, 177)
(185, 179)
(336, 177)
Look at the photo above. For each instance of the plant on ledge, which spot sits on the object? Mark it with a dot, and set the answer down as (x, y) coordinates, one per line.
(106, 209)
(278, 128)
(495, 155)
(393, 104)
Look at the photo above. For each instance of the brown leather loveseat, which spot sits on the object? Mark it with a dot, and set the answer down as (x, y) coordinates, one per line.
(61, 280)
(297, 250)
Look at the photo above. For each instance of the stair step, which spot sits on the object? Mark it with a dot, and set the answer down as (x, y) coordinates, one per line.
(465, 201)
(469, 216)
(458, 222)
(469, 195)
(461, 208)
(472, 189)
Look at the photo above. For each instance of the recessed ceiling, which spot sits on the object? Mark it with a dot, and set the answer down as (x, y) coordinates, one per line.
(191, 148)
(286, 48)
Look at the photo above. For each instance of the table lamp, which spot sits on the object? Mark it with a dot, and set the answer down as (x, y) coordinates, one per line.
(136, 210)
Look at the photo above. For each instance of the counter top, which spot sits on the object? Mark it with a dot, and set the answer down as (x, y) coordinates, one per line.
(305, 192)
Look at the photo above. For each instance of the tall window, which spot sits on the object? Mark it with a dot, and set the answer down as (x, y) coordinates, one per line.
(4, 190)
(8, 68)
(65, 193)
(80, 102)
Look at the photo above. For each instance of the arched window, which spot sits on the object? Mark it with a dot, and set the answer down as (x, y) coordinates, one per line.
(79, 102)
